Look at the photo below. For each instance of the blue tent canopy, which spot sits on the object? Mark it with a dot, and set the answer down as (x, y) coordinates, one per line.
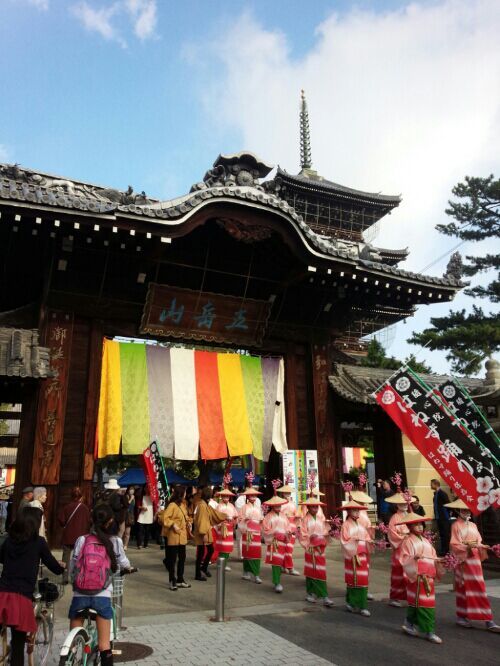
(238, 476)
(135, 477)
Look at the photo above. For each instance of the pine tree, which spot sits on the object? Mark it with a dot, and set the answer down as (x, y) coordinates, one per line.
(471, 337)
(376, 357)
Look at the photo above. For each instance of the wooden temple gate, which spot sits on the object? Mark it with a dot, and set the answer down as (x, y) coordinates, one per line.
(78, 262)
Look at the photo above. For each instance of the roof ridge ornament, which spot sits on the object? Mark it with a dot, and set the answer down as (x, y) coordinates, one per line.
(305, 136)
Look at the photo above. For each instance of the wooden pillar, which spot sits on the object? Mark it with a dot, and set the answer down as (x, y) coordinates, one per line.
(291, 399)
(92, 406)
(387, 446)
(26, 439)
(327, 431)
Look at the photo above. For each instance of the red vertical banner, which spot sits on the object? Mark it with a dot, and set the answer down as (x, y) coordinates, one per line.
(423, 418)
(52, 402)
(151, 479)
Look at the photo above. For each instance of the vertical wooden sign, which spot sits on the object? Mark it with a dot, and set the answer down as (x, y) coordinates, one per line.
(52, 402)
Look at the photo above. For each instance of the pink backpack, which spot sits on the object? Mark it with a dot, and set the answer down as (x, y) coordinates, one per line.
(93, 567)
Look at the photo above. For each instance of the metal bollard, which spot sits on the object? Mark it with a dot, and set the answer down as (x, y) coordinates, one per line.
(220, 589)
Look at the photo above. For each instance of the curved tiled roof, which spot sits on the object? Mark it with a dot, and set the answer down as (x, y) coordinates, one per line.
(51, 191)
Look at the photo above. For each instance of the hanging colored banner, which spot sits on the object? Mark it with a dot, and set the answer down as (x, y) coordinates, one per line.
(189, 402)
(421, 416)
(465, 409)
(155, 476)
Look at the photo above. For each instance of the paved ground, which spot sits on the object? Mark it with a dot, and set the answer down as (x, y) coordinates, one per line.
(283, 629)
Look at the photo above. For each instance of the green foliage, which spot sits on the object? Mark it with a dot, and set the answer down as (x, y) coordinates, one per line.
(377, 358)
(470, 338)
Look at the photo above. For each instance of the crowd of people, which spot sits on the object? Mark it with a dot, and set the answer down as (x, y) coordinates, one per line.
(221, 523)
(92, 552)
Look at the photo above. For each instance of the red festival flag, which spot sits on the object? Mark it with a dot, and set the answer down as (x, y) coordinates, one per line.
(155, 476)
(424, 419)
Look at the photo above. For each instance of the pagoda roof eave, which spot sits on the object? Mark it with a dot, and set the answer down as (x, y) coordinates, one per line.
(329, 188)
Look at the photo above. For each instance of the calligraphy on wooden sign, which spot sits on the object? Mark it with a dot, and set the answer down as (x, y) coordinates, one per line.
(195, 315)
(52, 402)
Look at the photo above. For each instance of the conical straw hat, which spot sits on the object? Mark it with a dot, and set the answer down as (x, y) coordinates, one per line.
(361, 496)
(251, 491)
(286, 489)
(312, 501)
(412, 518)
(276, 501)
(225, 493)
(457, 504)
(352, 505)
(398, 498)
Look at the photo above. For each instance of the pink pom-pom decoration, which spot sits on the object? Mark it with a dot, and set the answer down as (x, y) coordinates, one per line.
(408, 496)
(335, 521)
(362, 480)
(288, 479)
(380, 544)
(496, 549)
(397, 480)
(382, 528)
(311, 481)
(335, 533)
(250, 476)
(348, 486)
(450, 562)
(431, 536)
(276, 483)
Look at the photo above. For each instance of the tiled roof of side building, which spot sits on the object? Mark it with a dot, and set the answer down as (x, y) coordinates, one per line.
(356, 383)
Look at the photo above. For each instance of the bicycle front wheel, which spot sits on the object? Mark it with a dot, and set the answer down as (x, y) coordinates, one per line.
(39, 649)
(4, 646)
(76, 654)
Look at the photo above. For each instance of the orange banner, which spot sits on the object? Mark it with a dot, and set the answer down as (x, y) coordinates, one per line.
(210, 422)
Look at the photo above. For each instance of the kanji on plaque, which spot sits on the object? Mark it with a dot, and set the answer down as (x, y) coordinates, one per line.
(193, 315)
(52, 402)
(421, 416)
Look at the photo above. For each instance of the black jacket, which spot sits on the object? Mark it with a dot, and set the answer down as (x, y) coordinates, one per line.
(20, 564)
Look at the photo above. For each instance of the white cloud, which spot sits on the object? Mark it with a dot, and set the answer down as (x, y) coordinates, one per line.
(404, 101)
(111, 20)
(100, 20)
(144, 17)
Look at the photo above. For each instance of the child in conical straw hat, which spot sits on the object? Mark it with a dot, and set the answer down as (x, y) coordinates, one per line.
(314, 537)
(224, 532)
(421, 567)
(277, 531)
(250, 518)
(467, 546)
(291, 512)
(355, 542)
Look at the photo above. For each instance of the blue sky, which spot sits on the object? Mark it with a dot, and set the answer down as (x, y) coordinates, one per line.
(403, 98)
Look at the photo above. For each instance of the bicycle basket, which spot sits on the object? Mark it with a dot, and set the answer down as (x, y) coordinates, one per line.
(117, 586)
(50, 591)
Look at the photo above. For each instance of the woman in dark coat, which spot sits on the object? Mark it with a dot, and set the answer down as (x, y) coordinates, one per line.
(74, 518)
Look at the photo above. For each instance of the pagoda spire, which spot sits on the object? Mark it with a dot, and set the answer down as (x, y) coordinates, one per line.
(305, 137)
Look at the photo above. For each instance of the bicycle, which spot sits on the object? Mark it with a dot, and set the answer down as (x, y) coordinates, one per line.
(39, 643)
(81, 645)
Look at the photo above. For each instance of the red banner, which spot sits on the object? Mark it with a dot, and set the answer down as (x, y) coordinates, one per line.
(150, 477)
(431, 447)
(155, 476)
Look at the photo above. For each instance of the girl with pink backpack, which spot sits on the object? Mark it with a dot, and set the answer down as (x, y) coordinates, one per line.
(96, 557)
